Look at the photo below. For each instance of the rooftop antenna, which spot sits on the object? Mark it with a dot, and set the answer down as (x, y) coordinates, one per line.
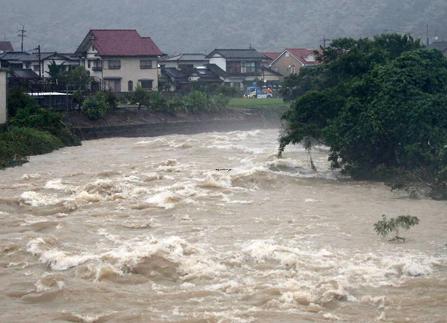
(22, 36)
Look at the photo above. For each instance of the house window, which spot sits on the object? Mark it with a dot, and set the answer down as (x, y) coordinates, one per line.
(114, 64)
(146, 84)
(89, 64)
(248, 67)
(130, 86)
(113, 85)
(145, 64)
(292, 69)
(234, 67)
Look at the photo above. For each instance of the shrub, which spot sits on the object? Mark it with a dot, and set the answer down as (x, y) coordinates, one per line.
(95, 107)
(218, 102)
(17, 100)
(196, 101)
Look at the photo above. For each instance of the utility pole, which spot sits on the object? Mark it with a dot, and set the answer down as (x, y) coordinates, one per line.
(39, 57)
(428, 38)
(22, 35)
(325, 40)
(40, 61)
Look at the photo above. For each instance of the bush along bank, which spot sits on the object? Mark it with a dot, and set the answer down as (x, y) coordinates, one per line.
(32, 130)
(381, 106)
(97, 106)
(194, 102)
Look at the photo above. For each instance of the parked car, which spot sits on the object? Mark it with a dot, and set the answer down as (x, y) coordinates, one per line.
(256, 92)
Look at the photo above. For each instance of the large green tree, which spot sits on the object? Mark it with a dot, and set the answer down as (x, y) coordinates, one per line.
(381, 107)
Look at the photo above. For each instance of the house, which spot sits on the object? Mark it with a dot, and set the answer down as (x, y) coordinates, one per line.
(186, 76)
(239, 65)
(3, 85)
(292, 60)
(186, 59)
(6, 46)
(440, 45)
(13, 60)
(36, 62)
(270, 57)
(45, 59)
(120, 59)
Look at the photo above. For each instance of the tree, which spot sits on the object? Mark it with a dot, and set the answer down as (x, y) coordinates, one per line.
(393, 225)
(380, 105)
(77, 79)
(140, 97)
(56, 71)
(95, 107)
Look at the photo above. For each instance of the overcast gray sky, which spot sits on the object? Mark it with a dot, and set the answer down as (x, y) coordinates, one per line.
(201, 25)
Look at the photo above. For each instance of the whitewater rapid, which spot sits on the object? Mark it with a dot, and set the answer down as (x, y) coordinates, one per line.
(210, 228)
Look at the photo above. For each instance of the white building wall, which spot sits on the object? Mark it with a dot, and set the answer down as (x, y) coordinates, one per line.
(3, 85)
(219, 61)
(130, 71)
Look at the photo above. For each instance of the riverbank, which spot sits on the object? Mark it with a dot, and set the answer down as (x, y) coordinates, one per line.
(134, 123)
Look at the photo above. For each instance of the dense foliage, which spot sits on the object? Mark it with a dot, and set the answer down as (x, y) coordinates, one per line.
(194, 102)
(95, 107)
(16, 144)
(32, 130)
(381, 107)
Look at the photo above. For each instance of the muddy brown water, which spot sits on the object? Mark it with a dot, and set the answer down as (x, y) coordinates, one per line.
(210, 227)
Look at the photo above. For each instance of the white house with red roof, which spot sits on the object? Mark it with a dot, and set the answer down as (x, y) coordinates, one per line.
(292, 60)
(120, 59)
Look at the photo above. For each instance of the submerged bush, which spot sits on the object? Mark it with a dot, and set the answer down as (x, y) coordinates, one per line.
(387, 226)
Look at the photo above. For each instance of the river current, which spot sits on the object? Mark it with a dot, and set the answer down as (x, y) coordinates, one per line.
(210, 228)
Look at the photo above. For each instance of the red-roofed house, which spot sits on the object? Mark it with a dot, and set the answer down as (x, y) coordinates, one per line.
(120, 59)
(291, 60)
(6, 46)
(271, 56)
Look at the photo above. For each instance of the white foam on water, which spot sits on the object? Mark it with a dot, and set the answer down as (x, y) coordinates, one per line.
(37, 199)
(55, 184)
(166, 200)
(215, 180)
(31, 176)
(172, 256)
(54, 258)
(327, 275)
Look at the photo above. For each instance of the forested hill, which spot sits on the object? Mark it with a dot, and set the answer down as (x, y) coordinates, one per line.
(201, 25)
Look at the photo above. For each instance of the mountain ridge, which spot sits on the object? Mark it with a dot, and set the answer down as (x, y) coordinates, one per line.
(201, 25)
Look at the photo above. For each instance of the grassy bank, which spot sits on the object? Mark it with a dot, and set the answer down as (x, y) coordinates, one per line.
(244, 103)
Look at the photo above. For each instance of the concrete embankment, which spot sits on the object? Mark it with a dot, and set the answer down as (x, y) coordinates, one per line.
(131, 123)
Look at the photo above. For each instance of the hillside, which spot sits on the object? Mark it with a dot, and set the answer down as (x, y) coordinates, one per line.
(201, 25)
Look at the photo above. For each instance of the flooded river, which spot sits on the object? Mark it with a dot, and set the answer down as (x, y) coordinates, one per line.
(210, 228)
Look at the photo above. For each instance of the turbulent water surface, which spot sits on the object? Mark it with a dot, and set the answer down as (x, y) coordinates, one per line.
(213, 228)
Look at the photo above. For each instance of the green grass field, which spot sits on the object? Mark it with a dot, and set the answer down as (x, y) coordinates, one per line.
(256, 103)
